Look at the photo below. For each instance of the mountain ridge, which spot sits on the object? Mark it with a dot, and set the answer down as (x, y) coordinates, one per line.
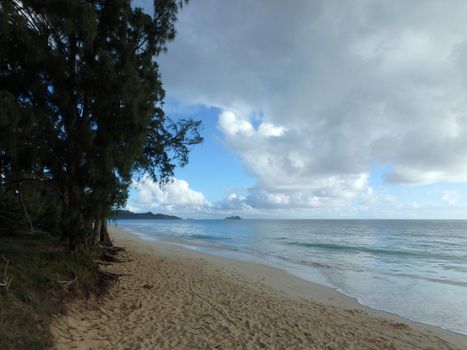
(129, 215)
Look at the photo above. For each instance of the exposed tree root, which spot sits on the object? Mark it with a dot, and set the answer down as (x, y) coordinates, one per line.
(113, 275)
(112, 258)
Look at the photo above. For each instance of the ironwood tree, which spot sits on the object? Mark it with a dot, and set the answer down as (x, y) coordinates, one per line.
(81, 107)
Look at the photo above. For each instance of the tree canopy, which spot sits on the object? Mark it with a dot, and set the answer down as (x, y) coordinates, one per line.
(81, 111)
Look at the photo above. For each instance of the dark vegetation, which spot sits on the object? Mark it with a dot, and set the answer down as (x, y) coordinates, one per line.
(41, 277)
(128, 215)
(81, 116)
(81, 112)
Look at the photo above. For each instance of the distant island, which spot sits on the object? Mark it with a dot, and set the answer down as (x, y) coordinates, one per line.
(233, 218)
(128, 215)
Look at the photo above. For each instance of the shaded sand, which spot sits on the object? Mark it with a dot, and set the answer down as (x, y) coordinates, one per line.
(174, 298)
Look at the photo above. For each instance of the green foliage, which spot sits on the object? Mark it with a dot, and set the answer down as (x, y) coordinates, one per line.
(43, 205)
(11, 217)
(37, 267)
(81, 108)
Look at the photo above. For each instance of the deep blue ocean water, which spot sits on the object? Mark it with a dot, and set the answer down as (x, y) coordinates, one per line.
(414, 268)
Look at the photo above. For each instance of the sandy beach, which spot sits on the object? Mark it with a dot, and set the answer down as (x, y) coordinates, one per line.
(174, 298)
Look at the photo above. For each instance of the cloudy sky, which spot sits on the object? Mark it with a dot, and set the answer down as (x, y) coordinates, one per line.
(318, 109)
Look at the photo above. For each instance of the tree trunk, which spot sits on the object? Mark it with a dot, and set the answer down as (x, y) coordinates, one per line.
(77, 243)
(25, 209)
(104, 236)
(97, 229)
(77, 227)
(74, 150)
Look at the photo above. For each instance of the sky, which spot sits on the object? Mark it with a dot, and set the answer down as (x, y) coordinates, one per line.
(318, 109)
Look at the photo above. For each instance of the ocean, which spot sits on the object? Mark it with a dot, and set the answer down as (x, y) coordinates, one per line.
(413, 268)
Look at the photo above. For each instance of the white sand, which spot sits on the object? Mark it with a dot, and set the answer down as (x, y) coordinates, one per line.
(175, 298)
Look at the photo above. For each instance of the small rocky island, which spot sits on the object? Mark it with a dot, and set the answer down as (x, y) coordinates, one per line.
(236, 217)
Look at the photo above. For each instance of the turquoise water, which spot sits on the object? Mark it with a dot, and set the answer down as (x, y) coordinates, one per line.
(417, 269)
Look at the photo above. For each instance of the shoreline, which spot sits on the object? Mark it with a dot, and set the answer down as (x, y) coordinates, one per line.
(337, 297)
(292, 285)
(331, 317)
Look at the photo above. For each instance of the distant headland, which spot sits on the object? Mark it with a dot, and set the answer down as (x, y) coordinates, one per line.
(236, 217)
(128, 215)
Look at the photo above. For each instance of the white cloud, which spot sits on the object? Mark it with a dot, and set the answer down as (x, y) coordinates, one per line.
(340, 87)
(373, 197)
(449, 197)
(269, 129)
(234, 203)
(232, 125)
(286, 173)
(173, 196)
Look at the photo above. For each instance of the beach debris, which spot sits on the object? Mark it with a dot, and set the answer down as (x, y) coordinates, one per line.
(147, 286)
(66, 284)
(6, 281)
